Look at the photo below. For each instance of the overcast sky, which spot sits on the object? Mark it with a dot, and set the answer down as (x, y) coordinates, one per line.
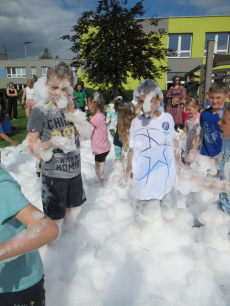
(42, 22)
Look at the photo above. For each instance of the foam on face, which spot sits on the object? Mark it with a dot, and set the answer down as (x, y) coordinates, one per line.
(150, 89)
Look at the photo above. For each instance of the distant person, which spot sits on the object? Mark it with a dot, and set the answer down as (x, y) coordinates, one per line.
(80, 96)
(12, 101)
(115, 92)
(23, 229)
(28, 92)
(84, 88)
(192, 85)
(176, 94)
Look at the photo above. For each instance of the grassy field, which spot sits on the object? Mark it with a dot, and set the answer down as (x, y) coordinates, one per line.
(20, 134)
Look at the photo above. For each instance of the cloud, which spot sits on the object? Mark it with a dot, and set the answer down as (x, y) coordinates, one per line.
(41, 22)
(211, 7)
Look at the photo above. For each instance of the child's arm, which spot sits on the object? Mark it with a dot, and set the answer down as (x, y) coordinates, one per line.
(183, 136)
(107, 118)
(78, 118)
(177, 152)
(23, 96)
(214, 185)
(124, 179)
(6, 138)
(37, 148)
(197, 141)
(40, 231)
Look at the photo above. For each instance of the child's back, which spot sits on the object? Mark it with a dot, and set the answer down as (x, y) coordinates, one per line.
(99, 141)
(153, 162)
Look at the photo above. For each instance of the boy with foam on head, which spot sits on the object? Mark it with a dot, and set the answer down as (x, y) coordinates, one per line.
(55, 125)
(151, 149)
(210, 136)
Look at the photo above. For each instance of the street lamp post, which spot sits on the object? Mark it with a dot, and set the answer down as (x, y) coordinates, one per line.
(25, 43)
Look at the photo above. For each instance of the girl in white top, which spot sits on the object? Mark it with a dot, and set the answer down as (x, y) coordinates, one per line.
(192, 129)
(28, 92)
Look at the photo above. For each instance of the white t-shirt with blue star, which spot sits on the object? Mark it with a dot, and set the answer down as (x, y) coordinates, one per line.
(153, 162)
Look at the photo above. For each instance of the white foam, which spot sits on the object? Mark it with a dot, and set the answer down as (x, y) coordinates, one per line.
(111, 259)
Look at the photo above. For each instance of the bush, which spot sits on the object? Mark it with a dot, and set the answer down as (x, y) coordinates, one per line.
(3, 90)
(126, 94)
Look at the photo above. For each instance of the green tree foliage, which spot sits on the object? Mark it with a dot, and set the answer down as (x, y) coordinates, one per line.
(46, 55)
(111, 44)
(34, 78)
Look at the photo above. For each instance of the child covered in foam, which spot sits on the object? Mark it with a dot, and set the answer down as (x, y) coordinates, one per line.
(151, 145)
(151, 149)
(223, 186)
(111, 118)
(55, 125)
(210, 136)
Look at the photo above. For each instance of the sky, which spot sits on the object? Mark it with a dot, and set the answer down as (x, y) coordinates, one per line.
(43, 22)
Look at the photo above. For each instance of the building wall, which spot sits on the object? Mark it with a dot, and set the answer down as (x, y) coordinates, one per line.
(198, 27)
(38, 64)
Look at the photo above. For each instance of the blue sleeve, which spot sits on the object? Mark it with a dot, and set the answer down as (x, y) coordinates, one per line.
(12, 199)
(1, 129)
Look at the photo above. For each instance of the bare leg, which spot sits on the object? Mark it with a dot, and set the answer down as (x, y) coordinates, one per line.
(71, 215)
(99, 168)
(27, 110)
(117, 160)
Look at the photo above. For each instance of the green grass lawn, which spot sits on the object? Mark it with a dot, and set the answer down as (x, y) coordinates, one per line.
(20, 134)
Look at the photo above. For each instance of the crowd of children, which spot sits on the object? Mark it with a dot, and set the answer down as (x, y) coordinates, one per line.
(145, 143)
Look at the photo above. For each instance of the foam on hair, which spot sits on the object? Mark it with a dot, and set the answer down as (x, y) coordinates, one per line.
(193, 102)
(151, 89)
(98, 101)
(62, 71)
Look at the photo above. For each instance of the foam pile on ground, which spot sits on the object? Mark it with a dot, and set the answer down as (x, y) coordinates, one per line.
(110, 260)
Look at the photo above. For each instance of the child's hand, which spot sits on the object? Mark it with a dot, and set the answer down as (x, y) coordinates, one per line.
(122, 183)
(60, 142)
(182, 168)
(14, 143)
(71, 108)
(191, 156)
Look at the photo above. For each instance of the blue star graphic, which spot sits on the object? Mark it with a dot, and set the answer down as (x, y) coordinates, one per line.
(155, 161)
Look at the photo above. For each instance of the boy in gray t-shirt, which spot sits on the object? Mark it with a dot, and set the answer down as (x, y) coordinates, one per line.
(54, 128)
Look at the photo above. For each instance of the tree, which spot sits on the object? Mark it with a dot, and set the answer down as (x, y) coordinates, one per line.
(34, 78)
(46, 54)
(110, 44)
(57, 57)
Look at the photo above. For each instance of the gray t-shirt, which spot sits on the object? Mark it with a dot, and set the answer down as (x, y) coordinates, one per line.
(49, 122)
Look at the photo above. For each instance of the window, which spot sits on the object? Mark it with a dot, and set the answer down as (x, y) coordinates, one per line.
(181, 44)
(221, 42)
(16, 72)
(33, 70)
(44, 71)
(170, 76)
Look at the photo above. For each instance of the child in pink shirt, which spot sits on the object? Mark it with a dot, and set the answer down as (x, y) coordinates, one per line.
(192, 129)
(99, 141)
